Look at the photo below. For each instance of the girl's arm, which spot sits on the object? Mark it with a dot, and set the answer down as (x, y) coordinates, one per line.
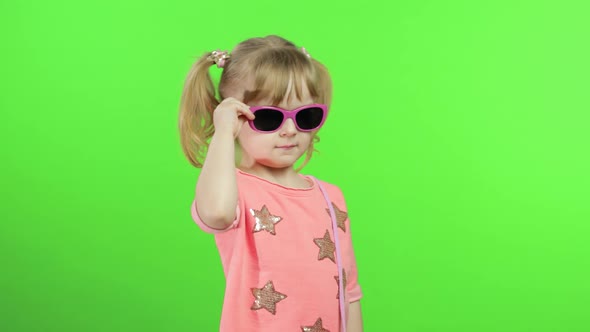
(355, 320)
(217, 190)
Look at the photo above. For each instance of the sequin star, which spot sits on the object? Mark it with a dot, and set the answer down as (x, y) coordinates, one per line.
(341, 216)
(338, 282)
(267, 298)
(264, 220)
(326, 247)
(317, 327)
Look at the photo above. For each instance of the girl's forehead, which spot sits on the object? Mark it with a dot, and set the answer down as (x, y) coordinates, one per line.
(290, 98)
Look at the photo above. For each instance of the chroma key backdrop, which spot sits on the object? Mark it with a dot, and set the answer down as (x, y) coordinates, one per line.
(459, 133)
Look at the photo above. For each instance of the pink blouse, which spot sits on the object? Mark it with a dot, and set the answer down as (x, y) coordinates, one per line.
(279, 260)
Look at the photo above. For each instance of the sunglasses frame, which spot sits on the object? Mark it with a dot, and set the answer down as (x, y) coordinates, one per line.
(289, 115)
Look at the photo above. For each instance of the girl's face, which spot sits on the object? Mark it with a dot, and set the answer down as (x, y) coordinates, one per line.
(279, 149)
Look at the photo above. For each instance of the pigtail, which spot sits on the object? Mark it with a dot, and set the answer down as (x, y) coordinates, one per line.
(196, 108)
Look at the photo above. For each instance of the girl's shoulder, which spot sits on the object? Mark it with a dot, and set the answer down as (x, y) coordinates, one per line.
(331, 188)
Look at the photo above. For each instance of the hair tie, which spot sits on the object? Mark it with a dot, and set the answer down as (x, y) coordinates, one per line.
(305, 52)
(219, 57)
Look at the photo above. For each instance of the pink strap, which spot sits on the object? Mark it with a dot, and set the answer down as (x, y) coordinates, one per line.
(338, 255)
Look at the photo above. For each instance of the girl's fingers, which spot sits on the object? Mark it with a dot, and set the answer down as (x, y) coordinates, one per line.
(249, 114)
(242, 109)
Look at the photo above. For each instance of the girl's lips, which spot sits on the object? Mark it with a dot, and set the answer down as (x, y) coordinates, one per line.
(287, 146)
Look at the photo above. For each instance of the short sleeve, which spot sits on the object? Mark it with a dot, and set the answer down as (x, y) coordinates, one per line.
(353, 288)
(208, 228)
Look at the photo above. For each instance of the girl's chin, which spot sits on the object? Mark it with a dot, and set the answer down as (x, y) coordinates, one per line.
(284, 163)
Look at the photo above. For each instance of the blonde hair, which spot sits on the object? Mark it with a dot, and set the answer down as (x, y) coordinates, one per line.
(269, 64)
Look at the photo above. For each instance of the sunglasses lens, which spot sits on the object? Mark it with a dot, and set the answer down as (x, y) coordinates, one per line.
(267, 119)
(310, 118)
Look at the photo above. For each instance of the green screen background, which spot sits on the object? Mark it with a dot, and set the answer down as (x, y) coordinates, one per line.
(459, 134)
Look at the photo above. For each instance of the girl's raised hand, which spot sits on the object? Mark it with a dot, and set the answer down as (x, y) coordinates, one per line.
(230, 115)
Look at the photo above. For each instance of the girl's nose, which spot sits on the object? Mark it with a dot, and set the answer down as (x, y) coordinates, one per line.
(288, 128)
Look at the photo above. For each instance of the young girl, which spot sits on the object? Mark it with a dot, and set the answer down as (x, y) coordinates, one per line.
(286, 252)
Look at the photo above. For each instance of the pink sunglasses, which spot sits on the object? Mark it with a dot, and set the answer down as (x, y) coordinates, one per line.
(270, 118)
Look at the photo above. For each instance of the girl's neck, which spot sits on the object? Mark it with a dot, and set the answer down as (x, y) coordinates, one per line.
(286, 177)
